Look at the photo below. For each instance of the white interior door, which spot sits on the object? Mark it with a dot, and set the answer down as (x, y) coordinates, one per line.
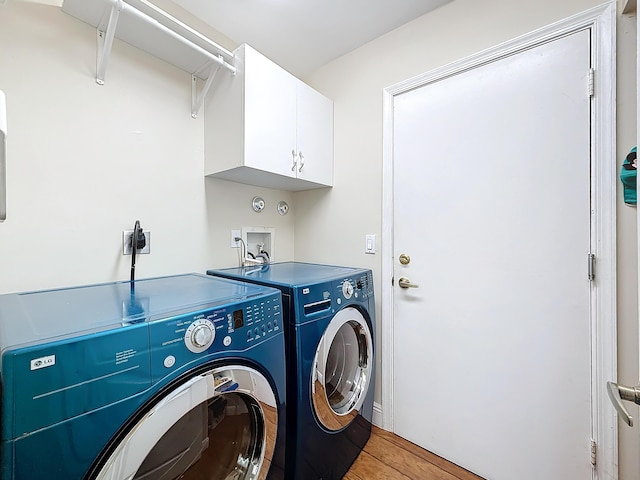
(492, 353)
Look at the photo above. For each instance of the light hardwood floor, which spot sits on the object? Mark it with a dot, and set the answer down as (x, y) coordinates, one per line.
(388, 457)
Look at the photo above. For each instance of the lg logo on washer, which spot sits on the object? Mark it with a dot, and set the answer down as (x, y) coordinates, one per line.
(43, 362)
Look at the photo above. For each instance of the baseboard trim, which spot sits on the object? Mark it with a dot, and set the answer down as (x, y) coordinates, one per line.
(377, 414)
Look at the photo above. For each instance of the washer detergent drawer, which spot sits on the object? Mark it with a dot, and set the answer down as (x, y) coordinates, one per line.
(70, 377)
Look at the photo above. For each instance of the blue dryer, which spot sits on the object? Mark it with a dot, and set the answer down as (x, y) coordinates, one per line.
(329, 333)
(181, 377)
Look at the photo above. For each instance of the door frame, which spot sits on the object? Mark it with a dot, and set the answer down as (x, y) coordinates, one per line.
(601, 21)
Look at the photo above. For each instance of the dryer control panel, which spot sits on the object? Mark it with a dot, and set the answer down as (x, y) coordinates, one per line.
(327, 298)
(358, 287)
(179, 340)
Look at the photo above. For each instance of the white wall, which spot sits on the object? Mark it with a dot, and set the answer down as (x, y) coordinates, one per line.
(355, 82)
(85, 161)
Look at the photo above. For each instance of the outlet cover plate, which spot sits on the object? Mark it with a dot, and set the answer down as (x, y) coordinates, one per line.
(234, 234)
(126, 243)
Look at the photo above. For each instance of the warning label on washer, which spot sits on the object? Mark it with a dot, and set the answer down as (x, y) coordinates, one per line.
(125, 355)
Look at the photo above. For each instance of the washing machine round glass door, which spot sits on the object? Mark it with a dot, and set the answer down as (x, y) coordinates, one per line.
(342, 369)
(218, 425)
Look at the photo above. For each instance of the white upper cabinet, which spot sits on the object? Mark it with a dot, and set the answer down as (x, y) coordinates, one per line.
(269, 115)
(265, 127)
(314, 135)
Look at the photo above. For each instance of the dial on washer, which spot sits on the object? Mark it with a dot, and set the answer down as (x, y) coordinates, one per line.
(347, 289)
(199, 336)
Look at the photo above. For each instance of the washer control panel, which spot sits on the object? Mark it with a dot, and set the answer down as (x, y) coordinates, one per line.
(177, 340)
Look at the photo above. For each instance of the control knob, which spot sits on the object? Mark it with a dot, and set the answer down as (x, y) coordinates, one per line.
(199, 336)
(347, 289)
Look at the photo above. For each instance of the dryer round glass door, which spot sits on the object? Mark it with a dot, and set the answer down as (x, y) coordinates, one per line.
(218, 425)
(342, 369)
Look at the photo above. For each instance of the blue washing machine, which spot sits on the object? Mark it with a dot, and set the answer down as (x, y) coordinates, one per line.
(181, 377)
(329, 333)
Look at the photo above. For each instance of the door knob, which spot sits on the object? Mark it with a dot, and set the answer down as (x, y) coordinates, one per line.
(617, 393)
(404, 282)
(404, 259)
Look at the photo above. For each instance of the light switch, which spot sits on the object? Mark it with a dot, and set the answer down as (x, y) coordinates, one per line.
(370, 244)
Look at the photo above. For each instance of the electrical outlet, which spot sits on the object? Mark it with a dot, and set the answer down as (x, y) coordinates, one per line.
(126, 243)
(234, 235)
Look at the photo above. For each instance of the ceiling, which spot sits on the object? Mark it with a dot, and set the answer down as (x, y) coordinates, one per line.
(302, 35)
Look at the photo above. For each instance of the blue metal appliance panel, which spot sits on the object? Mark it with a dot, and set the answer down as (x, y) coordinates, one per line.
(286, 274)
(77, 364)
(43, 316)
(312, 295)
(82, 375)
(81, 439)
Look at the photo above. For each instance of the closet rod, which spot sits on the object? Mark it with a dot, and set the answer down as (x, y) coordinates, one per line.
(218, 59)
(177, 23)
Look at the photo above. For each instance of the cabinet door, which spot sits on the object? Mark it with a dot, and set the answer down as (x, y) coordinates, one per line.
(270, 115)
(315, 136)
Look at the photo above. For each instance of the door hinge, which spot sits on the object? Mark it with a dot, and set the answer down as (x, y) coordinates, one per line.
(591, 80)
(594, 450)
(591, 266)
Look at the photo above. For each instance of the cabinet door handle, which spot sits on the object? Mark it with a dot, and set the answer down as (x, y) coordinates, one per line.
(301, 161)
(295, 162)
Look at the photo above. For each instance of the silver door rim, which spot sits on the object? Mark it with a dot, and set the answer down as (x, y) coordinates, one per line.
(131, 452)
(331, 417)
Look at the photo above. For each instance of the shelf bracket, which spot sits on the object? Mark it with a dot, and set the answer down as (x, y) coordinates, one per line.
(105, 41)
(198, 100)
